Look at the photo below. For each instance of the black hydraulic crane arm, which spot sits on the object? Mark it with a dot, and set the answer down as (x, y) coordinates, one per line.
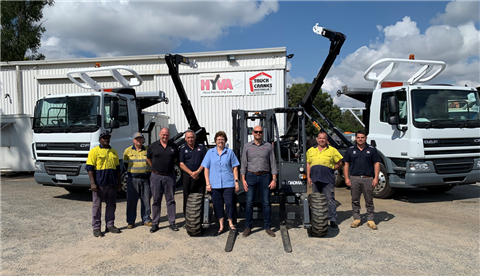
(172, 62)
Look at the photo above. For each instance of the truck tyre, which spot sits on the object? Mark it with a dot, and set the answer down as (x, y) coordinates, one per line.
(383, 189)
(178, 175)
(123, 192)
(194, 214)
(439, 189)
(318, 215)
(339, 179)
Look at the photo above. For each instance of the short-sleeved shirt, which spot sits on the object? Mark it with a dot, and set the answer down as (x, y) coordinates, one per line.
(362, 161)
(137, 161)
(192, 158)
(220, 166)
(258, 158)
(322, 163)
(105, 163)
(163, 159)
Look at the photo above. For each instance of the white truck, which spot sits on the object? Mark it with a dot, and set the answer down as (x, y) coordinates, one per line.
(66, 127)
(428, 136)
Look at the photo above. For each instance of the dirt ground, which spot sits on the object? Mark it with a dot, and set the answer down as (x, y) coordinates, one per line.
(47, 231)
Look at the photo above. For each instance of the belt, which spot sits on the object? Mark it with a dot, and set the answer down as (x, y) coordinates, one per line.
(363, 176)
(259, 173)
(161, 173)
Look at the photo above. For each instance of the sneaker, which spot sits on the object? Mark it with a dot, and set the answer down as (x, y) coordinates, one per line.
(148, 223)
(372, 225)
(173, 227)
(355, 223)
(246, 232)
(333, 224)
(97, 233)
(269, 232)
(154, 228)
(113, 229)
(131, 226)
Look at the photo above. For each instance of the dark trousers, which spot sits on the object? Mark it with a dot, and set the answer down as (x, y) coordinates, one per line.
(107, 194)
(191, 186)
(138, 188)
(359, 186)
(160, 185)
(258, 183)
(328, 189)
(221, 197)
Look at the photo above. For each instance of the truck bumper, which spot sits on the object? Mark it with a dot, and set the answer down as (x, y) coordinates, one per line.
(417, 180)
(41, 177)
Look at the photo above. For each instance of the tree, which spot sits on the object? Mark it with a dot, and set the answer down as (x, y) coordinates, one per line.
(349, 123)
(323, 102)
(22, 29)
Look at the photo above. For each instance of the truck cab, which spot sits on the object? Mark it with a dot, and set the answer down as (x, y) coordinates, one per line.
(428, 135)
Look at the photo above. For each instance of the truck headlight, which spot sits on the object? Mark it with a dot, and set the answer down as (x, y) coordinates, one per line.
(38, 166)
(419, 167)
(301, 169)
(302, 176)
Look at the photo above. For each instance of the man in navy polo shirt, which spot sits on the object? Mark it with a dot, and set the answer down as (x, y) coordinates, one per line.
(191, 156)
(361, 170)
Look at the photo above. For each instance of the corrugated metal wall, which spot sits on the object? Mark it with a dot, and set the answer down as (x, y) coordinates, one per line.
(214, 113)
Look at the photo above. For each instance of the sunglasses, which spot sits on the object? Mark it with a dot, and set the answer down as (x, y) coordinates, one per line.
(256, 131)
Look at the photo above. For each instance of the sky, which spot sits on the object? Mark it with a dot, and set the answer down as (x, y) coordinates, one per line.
(431, 30)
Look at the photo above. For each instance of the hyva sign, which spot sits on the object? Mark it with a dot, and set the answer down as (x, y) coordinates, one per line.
(237, 84)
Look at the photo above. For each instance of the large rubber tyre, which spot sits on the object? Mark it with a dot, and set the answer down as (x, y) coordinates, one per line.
(318, 215)
(439, 189)
(383, 189)
(194, 214)
(178, 175)
(339, 179)
(123, 192)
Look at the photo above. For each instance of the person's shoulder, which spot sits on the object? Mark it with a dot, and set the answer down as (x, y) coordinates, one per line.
(182, 146)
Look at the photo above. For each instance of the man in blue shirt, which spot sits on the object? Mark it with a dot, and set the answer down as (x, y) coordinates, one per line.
(361, 170)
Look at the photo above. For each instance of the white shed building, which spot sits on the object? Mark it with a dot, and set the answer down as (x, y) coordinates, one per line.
(223, 81)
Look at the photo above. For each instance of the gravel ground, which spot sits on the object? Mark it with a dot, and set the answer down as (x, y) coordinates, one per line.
(47, 231)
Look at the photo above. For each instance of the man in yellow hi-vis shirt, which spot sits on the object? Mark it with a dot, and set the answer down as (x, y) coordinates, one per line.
(138, 181)
(103, 168)
(322, 161)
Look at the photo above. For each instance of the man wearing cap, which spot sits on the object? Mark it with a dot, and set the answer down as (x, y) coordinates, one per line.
(103, 168)
(161, 156)
(138, 181)
(191, 157)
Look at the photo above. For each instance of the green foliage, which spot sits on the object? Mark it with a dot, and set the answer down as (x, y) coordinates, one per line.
(22, 29)
(324, 103)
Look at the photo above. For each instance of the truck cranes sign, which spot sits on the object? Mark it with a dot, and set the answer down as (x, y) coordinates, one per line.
(238, 84)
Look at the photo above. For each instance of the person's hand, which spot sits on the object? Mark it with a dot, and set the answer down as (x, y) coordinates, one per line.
(310, 183)
(209, 188)
(272, 185)
(245, 185)
(194, 175)
(93, 186)
(237, 188)
(119, 187)
(348, 182)
(374, 182)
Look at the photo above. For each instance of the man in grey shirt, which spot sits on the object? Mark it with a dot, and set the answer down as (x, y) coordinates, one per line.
(259, 172)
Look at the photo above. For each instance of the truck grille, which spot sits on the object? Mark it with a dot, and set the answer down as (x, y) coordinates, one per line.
(452, 166)
(76, 155)
(457, 142)
(72, 169)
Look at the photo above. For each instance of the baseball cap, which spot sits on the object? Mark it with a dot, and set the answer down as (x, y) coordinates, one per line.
(104, 133)
(137, 134)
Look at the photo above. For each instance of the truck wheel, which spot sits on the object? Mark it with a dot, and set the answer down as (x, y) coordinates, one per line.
(123, 192)
(178, 175)
(383, 189)
(439, 189)
(339, 180)
(194, 214)
(318, 215)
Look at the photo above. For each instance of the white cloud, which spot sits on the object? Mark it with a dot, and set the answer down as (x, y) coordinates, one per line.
(116, 28)
(458, 13)
(458, 46)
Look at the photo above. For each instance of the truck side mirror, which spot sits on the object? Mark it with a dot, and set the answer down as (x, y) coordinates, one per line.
(114, 111)
(393, 110)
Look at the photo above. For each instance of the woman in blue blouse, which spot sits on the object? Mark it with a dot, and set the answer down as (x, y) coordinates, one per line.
(221, 175)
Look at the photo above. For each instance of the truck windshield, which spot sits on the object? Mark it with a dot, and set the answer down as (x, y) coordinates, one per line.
(67, 114)
(445, 108)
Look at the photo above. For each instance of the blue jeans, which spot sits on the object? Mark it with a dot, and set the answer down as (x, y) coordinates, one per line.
(258, 183)
(328, 189)
(138, 188)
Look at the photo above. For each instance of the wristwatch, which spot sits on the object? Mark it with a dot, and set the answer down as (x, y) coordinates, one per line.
(275, 179)
(236, 180)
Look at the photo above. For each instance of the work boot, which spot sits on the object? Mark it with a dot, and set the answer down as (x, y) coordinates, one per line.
(269, 232)
(148, 223)
(355, 223)
(154, 228)
(97, 233)
(131, 226)
(372, 225)
(246, 232)
(173, 227)
(113, 229)
(333, 224)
